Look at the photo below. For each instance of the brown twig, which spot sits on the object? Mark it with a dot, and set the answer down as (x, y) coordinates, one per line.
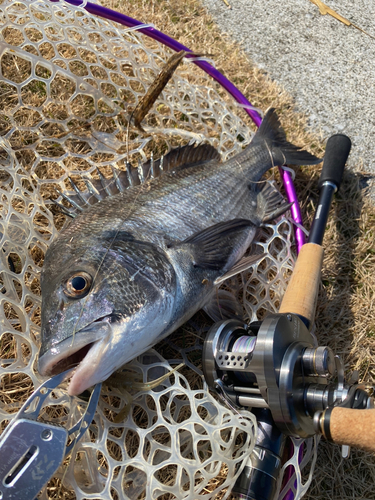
(324, 9)
(156, 88)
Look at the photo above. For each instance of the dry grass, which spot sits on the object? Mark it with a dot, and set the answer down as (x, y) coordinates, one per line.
(345, 316)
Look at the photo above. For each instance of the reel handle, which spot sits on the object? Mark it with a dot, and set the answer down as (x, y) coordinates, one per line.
(350, 427)
(301, 295)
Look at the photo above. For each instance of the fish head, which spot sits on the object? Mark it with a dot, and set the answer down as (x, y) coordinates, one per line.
(104, 301)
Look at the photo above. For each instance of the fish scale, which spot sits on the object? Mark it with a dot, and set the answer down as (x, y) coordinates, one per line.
(149, 257)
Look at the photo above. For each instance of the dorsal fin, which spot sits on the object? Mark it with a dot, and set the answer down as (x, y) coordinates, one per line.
(97, 189)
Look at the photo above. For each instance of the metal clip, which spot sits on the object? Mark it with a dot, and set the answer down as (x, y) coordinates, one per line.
(31, 451)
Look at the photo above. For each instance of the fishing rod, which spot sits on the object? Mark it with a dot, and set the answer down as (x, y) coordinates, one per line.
(293, 387)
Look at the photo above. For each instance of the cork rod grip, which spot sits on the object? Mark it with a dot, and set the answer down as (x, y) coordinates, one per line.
(353, 427)
(302, 292)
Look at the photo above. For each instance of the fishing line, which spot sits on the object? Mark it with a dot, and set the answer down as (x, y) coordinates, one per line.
(270, 153)
(127, 135)
(250, 181)
(258, 182)
(81, 313)
(290, 170)
(299, 226)
(227, 403)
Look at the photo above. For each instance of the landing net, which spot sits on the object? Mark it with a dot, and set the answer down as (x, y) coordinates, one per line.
(68, 83)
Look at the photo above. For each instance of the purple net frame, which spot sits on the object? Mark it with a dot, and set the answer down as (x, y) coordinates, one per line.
(98, 10)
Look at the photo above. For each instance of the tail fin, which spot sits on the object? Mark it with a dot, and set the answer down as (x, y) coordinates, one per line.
(283, 152)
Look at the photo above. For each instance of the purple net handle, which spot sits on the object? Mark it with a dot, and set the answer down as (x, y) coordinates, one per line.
(98, 10)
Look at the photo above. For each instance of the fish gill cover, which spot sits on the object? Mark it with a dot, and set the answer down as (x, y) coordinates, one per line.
(68, 83)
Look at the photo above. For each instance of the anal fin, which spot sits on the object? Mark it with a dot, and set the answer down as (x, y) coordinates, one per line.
(270, 204)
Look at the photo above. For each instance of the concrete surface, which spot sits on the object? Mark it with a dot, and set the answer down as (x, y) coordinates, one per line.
(328, 68)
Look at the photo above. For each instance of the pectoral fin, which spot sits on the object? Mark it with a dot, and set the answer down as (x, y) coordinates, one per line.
(220, 246)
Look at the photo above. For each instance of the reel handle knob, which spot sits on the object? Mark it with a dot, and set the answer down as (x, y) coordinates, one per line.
(355, 428)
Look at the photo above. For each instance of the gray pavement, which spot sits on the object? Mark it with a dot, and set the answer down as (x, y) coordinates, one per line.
(327, 67)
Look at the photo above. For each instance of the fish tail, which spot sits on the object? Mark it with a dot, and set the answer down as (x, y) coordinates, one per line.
(282, 151)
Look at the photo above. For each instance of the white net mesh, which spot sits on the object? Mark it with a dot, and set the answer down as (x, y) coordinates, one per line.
(68, 82)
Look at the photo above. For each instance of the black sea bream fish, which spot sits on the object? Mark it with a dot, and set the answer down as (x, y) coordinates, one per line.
(132, 268)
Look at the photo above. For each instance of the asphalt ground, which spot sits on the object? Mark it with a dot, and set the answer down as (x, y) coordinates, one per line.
(326, 66)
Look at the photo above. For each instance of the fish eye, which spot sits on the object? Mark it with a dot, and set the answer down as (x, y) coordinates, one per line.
(78, 285)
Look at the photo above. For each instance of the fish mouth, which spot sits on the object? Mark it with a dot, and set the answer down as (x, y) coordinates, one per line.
(72, 351)
(71, 361)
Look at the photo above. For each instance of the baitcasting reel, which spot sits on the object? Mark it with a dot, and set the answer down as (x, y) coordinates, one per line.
(275, 368)
(275, 364)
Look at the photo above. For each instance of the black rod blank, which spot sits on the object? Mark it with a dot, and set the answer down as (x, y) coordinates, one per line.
(337, 152)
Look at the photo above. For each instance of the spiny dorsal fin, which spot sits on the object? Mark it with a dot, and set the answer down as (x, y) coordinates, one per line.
(97, 189)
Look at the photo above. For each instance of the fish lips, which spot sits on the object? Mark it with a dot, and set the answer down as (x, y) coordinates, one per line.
(73, 351)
